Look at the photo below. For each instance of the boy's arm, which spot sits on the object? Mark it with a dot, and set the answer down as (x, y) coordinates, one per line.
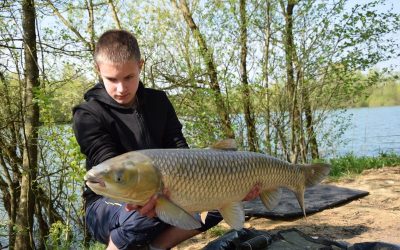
(173, 136)
(95, 142)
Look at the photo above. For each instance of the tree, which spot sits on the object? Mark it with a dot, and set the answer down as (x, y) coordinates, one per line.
(323, 45)
(18, 97)
(246, 94)
(208, 58)
(24, 219)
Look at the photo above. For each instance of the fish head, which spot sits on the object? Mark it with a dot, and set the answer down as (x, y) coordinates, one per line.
(130, 177)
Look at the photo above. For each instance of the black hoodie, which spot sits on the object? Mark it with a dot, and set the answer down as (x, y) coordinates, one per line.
(104, 128)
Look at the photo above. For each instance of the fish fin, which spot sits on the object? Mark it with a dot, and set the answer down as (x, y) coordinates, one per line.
(233, 214)
(270, 198)
(172, 214)
(203, 216)
(300, 198)
(315, 173)
(227, 144)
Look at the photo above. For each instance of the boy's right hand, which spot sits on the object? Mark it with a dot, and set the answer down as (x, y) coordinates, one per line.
(147, 209)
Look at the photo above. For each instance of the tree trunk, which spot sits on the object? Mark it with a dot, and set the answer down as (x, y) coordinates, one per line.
(267, 115)
(312, 140)
(24, 220)
(303, 145)
(248, 114)
(90, 28)
(42, 224)
(211, 69)
(10, 162)
(291, 83)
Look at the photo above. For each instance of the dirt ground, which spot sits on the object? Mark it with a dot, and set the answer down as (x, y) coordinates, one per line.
(375, 217)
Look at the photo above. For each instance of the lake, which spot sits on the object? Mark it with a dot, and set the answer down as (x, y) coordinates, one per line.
(371, 131)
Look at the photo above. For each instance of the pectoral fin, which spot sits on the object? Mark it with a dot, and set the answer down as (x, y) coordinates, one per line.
(233, 214)
(203, 216)
(174, 215)
(270, 198)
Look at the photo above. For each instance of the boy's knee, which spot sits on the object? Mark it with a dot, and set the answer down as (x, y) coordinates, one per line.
(136, 233)
(132, 241)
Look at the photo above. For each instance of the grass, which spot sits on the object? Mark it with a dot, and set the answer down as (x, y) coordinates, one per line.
(216, 231)
(350, 164)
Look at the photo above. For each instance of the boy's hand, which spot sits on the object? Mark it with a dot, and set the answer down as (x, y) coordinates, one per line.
(254, 193)
(147, 209)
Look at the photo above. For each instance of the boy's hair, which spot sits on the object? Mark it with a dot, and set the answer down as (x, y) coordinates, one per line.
(116, 46)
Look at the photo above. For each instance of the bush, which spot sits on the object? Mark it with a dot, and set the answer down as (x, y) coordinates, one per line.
(351, 164)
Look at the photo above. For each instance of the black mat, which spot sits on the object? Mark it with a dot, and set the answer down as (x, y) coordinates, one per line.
(291, 239)
(316, 199)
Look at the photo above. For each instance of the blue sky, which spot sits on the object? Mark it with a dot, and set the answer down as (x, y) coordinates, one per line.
(395, 4)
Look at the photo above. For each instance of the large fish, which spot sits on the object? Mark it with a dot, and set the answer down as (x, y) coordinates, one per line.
(200, 180)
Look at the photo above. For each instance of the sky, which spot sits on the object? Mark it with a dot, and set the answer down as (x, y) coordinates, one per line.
(395, 4)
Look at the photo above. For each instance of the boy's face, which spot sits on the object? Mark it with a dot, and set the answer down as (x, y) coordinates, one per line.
(121, 80)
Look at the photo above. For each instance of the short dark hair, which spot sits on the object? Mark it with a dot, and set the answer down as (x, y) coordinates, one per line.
(116, 46)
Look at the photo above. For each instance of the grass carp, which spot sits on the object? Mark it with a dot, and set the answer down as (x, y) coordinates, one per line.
(200, 180)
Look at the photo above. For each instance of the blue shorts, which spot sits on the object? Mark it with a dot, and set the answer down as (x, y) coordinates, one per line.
(128, 230)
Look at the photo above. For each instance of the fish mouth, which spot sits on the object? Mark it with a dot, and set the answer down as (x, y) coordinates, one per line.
(91, 180)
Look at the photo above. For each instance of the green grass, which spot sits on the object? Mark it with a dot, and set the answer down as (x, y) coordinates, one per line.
(350, 164)
(216, 231)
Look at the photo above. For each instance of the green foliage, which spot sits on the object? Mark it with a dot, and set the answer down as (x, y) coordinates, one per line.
(59, 237)
(385, 93)
(351, 164)
(198, 116)
(95, 246)
(58, 96)
(61, 165)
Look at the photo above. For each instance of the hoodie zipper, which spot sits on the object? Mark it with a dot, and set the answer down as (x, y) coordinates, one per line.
(144, 131)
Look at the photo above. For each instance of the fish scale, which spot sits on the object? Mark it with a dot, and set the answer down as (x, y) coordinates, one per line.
(200, 180)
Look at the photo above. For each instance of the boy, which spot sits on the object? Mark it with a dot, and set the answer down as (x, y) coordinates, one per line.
(121, 115)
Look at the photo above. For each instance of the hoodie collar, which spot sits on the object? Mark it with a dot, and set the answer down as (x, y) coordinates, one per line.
(99, 93)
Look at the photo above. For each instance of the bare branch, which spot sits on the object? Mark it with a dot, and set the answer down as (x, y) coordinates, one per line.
(115, 15)
(69, 25)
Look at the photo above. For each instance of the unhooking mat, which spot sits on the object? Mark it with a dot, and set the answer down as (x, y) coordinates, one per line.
(316, 199)
(291, 239)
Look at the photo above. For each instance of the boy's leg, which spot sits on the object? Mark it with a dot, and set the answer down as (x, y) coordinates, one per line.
(172, 236)
(126, 229)
(131, 230)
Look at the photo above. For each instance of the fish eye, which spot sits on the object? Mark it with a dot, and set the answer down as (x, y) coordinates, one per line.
(118, 176)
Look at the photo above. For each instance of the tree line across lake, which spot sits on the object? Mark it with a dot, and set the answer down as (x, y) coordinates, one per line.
(267, 73)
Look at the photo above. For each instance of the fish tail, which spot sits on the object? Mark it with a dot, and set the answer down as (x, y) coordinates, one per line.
(315, 173)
